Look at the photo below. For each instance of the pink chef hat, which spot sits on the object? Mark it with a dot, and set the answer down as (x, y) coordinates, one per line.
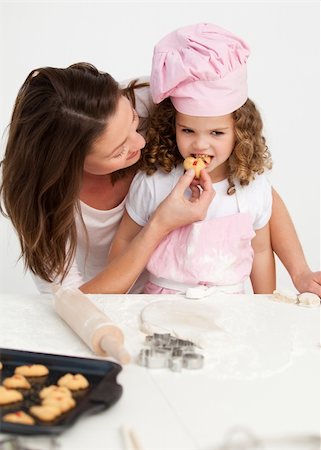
(202, 68)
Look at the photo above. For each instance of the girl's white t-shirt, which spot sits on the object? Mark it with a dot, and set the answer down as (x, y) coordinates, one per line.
(148, 191)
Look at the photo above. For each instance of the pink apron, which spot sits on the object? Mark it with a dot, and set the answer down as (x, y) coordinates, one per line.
(214, 253)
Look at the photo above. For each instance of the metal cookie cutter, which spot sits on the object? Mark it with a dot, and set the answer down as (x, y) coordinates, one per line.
(165, 350)
(153, 358)
(176, 363)
(143, 356)
(193, 361)
(158, 359)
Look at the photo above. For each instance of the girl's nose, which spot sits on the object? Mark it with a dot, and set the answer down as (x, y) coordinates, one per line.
(201, 145)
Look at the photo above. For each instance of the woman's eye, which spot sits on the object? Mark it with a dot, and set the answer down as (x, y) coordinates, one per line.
(119, 155)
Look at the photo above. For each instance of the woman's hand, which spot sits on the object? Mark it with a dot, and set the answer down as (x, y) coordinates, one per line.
(177, 210)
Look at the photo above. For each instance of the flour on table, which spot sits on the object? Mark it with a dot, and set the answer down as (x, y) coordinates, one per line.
(242, 337)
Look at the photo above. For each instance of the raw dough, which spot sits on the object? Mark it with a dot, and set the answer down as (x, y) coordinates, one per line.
(286, 296)
(308, 299)
(305, 299)
(181, 318)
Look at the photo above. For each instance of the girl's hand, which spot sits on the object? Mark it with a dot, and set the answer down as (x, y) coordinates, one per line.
(177, 210)
(308, 282)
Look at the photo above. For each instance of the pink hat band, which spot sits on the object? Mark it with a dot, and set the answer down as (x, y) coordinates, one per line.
(202, 68)
(214, 97)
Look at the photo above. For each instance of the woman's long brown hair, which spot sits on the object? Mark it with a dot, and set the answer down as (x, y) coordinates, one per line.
(57, 116)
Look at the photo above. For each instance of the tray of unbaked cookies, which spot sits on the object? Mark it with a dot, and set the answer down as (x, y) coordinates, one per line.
(43, 393)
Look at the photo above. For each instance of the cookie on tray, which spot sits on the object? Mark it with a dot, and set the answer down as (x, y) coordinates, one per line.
(16, 382)
(45, 413)
(32, 370)
(53, 389)
(8, 396)
(63, 402)
(18, 417)
(74, 382)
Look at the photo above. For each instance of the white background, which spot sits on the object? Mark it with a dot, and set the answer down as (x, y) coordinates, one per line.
(118, 37)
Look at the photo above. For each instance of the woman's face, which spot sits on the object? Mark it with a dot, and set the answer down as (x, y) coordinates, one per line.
(119, 145)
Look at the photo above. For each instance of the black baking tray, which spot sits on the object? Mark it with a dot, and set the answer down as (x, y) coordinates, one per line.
(103, 390)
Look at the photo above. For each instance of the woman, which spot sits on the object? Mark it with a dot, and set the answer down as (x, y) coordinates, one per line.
(71, 155)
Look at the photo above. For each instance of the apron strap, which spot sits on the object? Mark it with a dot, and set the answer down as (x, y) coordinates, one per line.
(196, 291)
(241, 198)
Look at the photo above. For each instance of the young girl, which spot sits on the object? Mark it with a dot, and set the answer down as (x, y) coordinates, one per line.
(198, 81)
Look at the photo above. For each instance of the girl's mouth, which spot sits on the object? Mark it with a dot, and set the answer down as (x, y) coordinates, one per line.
(205, 158)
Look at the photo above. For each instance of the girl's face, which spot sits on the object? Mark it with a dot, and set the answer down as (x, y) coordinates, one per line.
(119, 145)
(212, 136)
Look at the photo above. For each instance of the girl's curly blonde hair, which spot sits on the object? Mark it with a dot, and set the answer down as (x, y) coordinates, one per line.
(250, 155)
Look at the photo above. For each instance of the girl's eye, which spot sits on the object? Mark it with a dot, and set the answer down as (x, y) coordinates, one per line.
(187, 130)
(216, 133)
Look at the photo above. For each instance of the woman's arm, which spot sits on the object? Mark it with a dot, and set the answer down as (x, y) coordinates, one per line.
(263, 269)
(286, 245)
(175, 211)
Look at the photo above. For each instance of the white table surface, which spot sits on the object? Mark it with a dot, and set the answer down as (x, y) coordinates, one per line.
(268, 382)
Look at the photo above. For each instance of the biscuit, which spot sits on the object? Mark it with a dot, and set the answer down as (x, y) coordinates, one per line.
(73, 382)
(194, 163)
(45, 413)
(9, 396)
(63, 402)
(19, 417)
(53, 389)
(32, 370)
(17, 382)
